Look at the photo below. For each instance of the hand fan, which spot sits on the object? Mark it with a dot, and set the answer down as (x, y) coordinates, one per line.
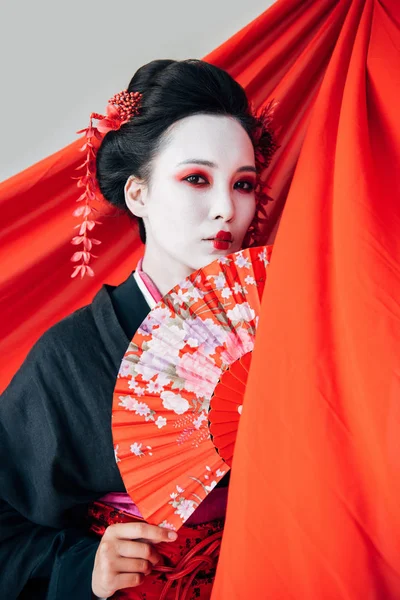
(194, 348)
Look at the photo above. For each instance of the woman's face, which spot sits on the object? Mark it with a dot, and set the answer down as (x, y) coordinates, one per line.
(202, 183)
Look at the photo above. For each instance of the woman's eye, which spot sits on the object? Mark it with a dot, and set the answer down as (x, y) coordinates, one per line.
(246, 186)
(195, 179)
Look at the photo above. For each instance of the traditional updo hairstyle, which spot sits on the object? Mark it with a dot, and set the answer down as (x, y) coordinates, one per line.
(171, 91)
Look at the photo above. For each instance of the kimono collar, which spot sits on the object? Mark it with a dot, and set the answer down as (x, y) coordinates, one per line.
(148, 288)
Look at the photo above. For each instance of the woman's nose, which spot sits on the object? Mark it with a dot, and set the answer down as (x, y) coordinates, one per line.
(222, 207)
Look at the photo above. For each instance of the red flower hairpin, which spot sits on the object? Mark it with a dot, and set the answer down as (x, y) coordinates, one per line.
(265, 146)
(121, 107)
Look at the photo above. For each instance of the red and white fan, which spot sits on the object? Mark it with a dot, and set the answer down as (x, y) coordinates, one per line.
(193, 350)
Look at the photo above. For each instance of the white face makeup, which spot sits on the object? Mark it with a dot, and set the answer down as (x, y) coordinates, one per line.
(202, 183)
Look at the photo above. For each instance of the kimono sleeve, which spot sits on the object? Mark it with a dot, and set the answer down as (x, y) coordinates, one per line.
(44, 553)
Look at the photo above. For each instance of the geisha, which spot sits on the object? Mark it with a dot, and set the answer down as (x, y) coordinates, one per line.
(185, 166)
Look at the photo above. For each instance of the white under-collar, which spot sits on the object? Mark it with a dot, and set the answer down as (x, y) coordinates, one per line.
(142, 287)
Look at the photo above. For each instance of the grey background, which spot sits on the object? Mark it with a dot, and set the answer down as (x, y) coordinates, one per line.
(63, 60)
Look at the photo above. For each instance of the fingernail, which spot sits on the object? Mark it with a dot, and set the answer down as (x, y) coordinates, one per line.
(172, 535)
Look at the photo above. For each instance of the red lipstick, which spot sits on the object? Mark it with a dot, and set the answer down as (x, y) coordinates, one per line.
(222, 240)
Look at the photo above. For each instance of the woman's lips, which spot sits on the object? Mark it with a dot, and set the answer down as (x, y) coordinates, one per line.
(222, 240)
(221, 244)
(224, 236)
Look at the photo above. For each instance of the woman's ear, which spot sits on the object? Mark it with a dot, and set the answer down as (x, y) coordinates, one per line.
(135, 196)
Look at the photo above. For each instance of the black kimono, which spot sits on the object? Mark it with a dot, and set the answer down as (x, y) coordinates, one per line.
(56, 447)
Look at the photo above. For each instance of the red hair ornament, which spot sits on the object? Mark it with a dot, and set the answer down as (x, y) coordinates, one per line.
(265, 147)
(120, 109)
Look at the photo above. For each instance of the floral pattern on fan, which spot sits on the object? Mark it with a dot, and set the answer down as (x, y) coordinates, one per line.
(167, 377)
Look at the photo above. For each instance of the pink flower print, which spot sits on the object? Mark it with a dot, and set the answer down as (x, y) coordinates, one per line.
(224, 260)
(151, 364)
(241, 312)
(138, 449)
(125, 369)
(137, 389)
(219, 280)
(180, 297)
(237, 344)
(239, 289)
(163, 379)
(196, 294)
(169, 342)
(250, 280)
(131, 403)
(226, 293)
(142, 409)
(146, 327)
(128, 402)
(210, 487)
(153, 387)
(242, 261)
(263, 257)
(160, 315)
(160, 422)
(167, 525)
(204, 333)
(174, 402)
(199, 373)
(185, 508)
(199, 421)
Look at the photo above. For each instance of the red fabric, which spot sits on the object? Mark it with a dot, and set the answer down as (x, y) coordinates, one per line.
(37, 226)
(314, 501)
(313, 507)
(187, 569)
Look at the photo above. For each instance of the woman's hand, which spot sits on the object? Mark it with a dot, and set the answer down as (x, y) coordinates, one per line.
(125, 555)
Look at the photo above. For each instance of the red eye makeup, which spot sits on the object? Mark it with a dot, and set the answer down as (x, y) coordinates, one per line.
(183, 175)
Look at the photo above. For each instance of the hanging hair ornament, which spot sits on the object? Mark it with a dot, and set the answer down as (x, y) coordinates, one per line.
(120, 109)
(265, 146)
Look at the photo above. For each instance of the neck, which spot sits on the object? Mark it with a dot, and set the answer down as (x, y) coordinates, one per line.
(164, 270)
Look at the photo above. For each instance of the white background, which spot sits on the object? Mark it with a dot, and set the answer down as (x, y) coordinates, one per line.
(60, 61)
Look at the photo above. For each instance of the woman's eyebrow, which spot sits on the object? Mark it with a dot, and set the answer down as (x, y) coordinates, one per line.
(246, 168)
(212, 165)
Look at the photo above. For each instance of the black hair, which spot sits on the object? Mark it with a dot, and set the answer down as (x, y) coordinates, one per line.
(172, 90)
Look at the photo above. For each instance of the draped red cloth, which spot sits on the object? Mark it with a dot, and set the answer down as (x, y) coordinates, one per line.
(314, 501)
(313, 507)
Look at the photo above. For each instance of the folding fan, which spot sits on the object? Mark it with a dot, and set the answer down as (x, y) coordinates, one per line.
(180, 388)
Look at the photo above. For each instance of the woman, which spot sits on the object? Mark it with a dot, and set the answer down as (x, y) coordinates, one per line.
(185, 166)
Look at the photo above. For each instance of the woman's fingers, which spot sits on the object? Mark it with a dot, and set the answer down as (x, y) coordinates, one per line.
(133, 565)
(127, 580)
(140, 530)
(129, 549)
(125, 555)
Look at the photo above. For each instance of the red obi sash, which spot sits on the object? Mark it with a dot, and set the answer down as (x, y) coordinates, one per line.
(188, 567)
